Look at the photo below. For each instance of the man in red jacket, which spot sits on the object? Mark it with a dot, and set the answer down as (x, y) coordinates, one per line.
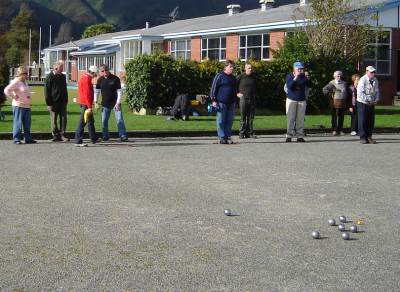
(86, 98)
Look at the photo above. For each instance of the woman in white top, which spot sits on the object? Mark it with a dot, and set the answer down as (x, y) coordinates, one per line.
(20, 93)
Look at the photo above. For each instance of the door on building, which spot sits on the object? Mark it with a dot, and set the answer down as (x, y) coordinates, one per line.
(398, 71)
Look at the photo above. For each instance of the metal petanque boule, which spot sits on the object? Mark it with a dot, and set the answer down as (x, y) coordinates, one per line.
(228, 212)
(316, 234)
(345, 235)
(343, 219)
(332, 222)
(353, 228)
(341, 227)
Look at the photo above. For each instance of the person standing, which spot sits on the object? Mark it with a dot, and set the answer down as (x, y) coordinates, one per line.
(20, 93)
(109, 86)
(56, 96)
(296, 83)
(338, 91)
(246, 87)
(223, 96)
(367, 97)
(353, 104)
(86, 98)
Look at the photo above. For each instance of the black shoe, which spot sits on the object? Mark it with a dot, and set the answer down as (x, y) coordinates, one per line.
(223, 141)
(96, 141)
(288, 140)
(105, 139)
(124, 139)
(31, 142)
(301, 140)
(17, 142)
(56, 139)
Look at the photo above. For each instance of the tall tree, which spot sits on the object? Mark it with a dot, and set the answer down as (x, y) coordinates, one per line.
(336, 29)
(18, 37)
(98, 29)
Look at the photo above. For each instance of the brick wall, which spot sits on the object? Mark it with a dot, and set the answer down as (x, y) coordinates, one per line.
(196, 49)
(232, 47)
(276, 38)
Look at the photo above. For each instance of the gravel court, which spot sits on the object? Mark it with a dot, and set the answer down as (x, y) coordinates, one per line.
(148, 215)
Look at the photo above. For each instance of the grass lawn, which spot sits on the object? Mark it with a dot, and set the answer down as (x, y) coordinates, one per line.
(386, 117)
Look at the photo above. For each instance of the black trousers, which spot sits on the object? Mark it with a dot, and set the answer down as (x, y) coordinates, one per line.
(81, 127)
(366, 120)
(181, 107)
(337, 119)
(58, 118)
(247, 112)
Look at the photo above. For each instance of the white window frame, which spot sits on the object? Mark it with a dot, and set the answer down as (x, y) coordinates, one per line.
(130, 50)
(84, 62)
(220, 49)
(173, 48)
(375, 61)
(262, 47)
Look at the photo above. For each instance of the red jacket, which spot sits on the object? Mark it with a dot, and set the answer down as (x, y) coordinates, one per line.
(85, 90)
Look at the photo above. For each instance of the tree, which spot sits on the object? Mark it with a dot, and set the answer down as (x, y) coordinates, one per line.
(98, 29)
(336, 29)
(64, 33)
(18, 37)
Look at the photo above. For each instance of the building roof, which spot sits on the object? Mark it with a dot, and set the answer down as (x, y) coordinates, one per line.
(250, 20)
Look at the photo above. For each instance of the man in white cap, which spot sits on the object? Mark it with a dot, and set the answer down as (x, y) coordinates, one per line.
(86, 99)
(367, 98)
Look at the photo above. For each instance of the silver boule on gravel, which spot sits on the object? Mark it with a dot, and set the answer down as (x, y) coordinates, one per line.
(345, 235)
(343, 219)
(332, 222)
(315, 234)
(353, 228)
(341, 227)
(228, 212)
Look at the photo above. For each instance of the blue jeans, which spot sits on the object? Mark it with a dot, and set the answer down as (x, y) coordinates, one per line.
(81, 127)
(21, 118)
(105, 116)
(225, 116)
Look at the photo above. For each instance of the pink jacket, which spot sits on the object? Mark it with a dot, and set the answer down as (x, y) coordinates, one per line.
(20, 93)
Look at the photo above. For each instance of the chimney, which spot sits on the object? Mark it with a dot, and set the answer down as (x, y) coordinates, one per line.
(266, 4)
(304, 2)
(233, 8)
(147, 25)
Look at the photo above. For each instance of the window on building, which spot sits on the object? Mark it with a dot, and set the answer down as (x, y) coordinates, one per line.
(213, 48)
(130, 50)
(254, 47)
(157, 47)
(181, 49)
(82, 63)
(53, 58)
(379, 54)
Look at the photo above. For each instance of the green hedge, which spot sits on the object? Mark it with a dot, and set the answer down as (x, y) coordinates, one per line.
(155, 80)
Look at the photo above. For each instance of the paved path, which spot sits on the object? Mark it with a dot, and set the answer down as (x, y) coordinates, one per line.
(148, 215)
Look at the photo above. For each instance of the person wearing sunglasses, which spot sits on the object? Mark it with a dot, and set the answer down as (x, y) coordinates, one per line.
(109, 87)
(20, 93)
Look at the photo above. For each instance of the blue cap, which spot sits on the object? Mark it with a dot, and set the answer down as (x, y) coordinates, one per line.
(298, 65)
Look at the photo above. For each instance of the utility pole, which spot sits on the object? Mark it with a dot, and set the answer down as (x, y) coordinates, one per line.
(50, 37)
(30, 47)
(40, 45)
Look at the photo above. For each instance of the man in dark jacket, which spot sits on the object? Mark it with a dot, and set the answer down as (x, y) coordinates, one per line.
(246, 84)
(223, 96)
(56, 95)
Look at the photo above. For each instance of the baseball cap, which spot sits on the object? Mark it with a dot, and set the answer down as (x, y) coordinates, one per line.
(370, 69)
(298, 65)
(93, 69)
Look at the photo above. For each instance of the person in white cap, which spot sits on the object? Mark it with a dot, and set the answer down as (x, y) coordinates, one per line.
(367, 98)
(86, 99)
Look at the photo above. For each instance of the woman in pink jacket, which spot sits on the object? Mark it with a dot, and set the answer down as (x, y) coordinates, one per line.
(20, 93)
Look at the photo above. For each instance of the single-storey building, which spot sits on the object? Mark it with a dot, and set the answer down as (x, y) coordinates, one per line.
(234, 35)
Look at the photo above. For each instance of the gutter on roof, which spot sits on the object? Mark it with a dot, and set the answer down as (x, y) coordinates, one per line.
(246, 28)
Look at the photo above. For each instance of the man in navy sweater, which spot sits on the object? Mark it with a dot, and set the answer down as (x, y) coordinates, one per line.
(296, 83)
(223, 96)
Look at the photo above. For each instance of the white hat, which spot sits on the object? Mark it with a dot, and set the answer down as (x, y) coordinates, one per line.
(93, 69)
(370, 69)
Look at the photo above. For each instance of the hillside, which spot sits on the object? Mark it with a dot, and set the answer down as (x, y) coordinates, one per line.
(125, 14)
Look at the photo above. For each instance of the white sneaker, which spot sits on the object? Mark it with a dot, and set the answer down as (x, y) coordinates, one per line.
(353, 133)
